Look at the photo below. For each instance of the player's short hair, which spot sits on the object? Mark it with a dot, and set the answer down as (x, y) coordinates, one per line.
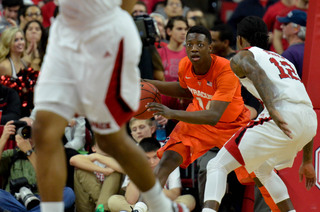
(225, 33)
(200, 30)
(254, 30)
(149, 144)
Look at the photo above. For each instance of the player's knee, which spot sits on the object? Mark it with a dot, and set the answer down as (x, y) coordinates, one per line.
(215, 165)
(264, 176)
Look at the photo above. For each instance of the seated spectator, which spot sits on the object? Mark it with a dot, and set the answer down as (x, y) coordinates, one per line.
(12, 47)
(172, 8)
(176, 30)
(141, 128)
(30, 13)
(131, 198)
(96, 178)
(10, 105)
(14, 69)
(195, 17)
(36, 43)
(145, 128)
(160, 24)
(17, 163)
(10, 14)
(139, 8)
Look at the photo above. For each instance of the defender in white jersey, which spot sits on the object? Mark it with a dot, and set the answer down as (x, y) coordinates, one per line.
(90, 69)
(287, 124)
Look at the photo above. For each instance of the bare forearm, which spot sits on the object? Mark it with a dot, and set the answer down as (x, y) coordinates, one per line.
(172, 193)
(197, 117)
(307, 152)
(84, 163)
(109, 162)
(171, 89)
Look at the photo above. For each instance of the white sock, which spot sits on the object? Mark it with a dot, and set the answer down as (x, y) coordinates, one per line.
(292, 211)
(208, 210)
(156, 200)
(52, 206)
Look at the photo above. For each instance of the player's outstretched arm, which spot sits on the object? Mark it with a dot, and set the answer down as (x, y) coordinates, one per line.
(170, 88)
(306, 169)
(243, 65)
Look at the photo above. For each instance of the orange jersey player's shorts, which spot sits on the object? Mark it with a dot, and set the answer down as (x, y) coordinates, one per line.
(193, 140)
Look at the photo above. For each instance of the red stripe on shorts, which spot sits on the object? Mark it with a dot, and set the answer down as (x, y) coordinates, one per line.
(120, 111)
(233, 144)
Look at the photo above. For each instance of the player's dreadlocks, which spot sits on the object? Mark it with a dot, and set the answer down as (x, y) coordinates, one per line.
(254, 30)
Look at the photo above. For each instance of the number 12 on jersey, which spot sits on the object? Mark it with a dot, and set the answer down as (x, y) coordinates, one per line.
(285, 69)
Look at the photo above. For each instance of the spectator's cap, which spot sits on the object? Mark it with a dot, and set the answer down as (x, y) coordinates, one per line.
(295, 16)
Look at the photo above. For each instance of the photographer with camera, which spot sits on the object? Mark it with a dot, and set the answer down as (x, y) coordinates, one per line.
(150, 64)
(17, 167)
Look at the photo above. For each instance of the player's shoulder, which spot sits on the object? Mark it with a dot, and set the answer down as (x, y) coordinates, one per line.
(185, 63)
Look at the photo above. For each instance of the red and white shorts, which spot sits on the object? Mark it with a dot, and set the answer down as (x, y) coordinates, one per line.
(95, 76)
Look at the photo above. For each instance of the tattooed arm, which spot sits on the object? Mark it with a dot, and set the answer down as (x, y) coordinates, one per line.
(243, 65)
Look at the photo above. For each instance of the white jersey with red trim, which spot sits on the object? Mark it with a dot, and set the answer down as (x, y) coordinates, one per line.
(283, 75)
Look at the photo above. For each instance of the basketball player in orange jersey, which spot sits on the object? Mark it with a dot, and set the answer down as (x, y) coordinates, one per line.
(217, 110)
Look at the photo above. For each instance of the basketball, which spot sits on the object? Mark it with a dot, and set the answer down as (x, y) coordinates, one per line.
(149, 93)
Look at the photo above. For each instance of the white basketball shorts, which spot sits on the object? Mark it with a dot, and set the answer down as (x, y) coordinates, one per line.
(262, 140)
(96, 75)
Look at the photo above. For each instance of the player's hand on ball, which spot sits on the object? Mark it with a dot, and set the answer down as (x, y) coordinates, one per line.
(307, 170)
(160, 110)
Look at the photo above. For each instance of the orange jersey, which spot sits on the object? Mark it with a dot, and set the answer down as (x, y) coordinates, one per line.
(220, 83)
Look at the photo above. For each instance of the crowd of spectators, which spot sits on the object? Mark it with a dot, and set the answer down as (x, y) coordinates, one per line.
(93, 177)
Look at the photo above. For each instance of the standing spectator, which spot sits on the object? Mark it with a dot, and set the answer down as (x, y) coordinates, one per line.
(150, 62)
(279, 43)
(273, 11)
(36, 43)
(12, 47)
(176, 30)
(10, 13)
(294, 31)
(246, 8)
